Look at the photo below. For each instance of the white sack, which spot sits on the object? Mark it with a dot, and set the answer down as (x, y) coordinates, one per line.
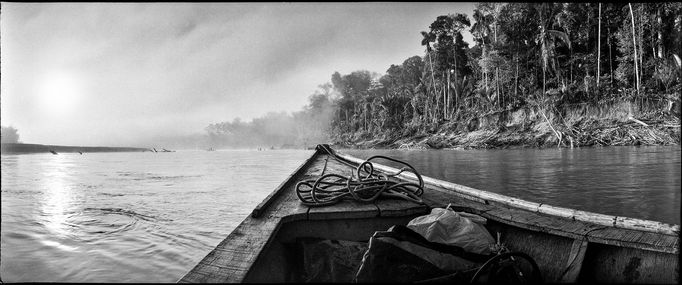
(448, 227)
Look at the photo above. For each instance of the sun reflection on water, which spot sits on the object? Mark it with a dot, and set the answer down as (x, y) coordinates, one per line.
(57, 204)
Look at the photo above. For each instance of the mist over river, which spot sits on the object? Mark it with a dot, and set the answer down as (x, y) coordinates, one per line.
(150, 217)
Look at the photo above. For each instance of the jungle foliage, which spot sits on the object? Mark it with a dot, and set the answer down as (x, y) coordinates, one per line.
(525, 54)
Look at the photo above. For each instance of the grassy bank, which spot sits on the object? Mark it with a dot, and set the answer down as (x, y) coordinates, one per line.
(606, 124)
(20, 148)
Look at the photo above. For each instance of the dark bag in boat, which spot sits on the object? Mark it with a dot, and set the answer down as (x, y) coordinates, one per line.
(329, 260)
(505, 268)
(402, 255)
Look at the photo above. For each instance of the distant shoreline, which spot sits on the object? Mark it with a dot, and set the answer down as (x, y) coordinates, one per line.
(25, 148)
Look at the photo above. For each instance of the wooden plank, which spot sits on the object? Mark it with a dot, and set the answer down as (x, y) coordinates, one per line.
(210, 274)
(555, 225)
(613, 264)
(633, 239)
(345, 209)
(279, 189)
(575, 261)
(334, 166)
(535, 221)
(651, 226)
(595, 218)
(450, 196)
(544, 225)
(338, 229)
(231, 259)
(439, 197)
(286, 207)
(400, 208)
(556, 211)
(549, 251)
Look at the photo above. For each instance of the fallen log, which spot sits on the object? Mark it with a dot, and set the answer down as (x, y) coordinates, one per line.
(557, 134)
(638, 121)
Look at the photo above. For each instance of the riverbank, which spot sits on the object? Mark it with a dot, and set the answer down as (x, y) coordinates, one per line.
(23, 148)
(613, 123)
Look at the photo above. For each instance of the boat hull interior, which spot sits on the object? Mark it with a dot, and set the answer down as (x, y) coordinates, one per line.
(266, 246)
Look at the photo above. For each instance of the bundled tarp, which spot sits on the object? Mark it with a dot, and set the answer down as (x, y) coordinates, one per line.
(454, 228)
(440, 243)
(443, 246)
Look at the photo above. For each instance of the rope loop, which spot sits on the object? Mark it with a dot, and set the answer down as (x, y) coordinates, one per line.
(364, 184)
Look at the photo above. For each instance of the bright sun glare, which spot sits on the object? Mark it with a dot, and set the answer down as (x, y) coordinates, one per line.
(60, 93)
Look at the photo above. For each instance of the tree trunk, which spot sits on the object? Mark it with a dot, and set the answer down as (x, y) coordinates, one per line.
(660, 32)
(516, 81)
(455, 69)
(436, 111)
(557, 69)
(634, 47)
(433, 80)
(485, 74)
(640, 44)
(347, 120)
(447, 97)
(365, 111)
(599, 48)
(497, 85)
(608, 40)
(426, 109)
(570, 60)
(543, 81)
(497, 69)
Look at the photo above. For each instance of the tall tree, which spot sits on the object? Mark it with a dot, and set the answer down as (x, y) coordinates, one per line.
(481, 30)
(493, 9)
(547, 40)
(518, 23)
(599, 46)
(634, 46)
(451, 50)
(427, 39)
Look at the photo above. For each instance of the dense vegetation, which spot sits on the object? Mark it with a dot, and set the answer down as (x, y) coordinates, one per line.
(9, 135)
(535, 68)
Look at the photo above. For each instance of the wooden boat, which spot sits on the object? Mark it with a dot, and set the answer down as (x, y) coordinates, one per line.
(568, 245)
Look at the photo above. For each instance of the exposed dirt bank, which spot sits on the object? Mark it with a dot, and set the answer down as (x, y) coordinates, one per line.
(579, 125)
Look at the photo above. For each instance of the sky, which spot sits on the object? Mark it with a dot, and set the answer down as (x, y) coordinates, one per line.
(123, 74)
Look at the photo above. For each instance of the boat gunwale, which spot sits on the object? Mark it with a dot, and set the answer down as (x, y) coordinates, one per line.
(238, 273)
(267, 201)
(555, 211)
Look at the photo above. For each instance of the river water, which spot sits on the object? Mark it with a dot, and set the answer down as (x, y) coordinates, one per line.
(150, 217)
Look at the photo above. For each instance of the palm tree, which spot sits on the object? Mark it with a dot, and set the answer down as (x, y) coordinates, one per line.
(547, 40)
(634, 46)
(427, 39)
(599, 46)
(458, 23)
(480, 30)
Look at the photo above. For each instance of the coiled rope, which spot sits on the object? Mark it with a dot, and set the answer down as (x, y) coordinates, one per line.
(363, 184)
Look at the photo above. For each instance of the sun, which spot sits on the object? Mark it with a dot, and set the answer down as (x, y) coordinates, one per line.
(60, 93)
